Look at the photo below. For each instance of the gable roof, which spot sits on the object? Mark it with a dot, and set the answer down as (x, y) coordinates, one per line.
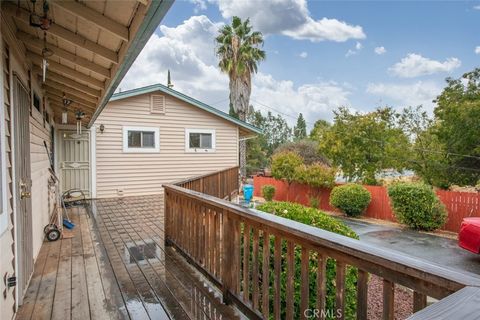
(187, 99)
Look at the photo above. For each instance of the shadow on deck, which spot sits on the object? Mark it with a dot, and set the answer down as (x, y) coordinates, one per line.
(116, 267)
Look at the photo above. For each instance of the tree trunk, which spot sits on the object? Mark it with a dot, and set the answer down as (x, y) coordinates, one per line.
(240, 89)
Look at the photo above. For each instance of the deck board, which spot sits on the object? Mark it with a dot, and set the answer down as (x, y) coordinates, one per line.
(117, 267)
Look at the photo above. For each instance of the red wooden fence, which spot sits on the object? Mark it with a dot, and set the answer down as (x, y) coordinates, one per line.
(459, 204)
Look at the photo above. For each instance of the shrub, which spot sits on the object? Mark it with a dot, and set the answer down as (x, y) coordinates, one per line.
(284, 166)
(307, 149)
(319, 219)
(417, 206)
(351, 199)
(317, 175)
(268, 192)
(314, 202)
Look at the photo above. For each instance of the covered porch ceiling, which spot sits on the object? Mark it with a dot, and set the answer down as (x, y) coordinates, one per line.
(92, 44)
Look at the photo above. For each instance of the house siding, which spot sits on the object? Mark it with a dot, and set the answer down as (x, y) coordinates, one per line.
(12, 55)
(144, 173)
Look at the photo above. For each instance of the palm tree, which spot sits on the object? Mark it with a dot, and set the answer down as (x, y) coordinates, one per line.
(238, 49)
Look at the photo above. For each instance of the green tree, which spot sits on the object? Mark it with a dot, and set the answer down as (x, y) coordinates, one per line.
(428, 156)
(319, 129)
(457, 128)
(362, 145)
(306, 148)
(238, 50)
(284, 167)
(300, 129)
(275, 132)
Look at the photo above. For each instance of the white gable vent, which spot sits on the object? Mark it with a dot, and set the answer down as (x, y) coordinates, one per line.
(157, 104)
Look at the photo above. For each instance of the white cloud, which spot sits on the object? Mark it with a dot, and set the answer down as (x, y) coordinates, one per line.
(303, 55)
(351, 52)
(188, 51)
(315, 101)
(199, 5)
(476, 7)
(414, 65)
(291, 18)
(477, 50)
(403, 95)
(380, 50)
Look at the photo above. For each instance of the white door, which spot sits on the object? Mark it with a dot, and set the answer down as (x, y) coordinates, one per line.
(75, 161)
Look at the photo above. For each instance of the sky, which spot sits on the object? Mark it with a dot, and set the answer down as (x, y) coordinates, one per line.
(320, 54)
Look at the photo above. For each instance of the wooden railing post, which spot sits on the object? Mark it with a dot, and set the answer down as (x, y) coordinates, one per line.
(168, 217)
(230, 267)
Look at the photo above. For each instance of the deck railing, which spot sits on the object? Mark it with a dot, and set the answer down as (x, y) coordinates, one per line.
(255, 259)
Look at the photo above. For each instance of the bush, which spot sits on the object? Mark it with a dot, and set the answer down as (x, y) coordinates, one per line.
(307, 149)
(351, 199)
(268, 192)
(314, 202)
(317, 175)
(284, 166)
(319, 219)
(417, 206)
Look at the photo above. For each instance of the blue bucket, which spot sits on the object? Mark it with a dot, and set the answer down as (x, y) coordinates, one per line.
(248, 192)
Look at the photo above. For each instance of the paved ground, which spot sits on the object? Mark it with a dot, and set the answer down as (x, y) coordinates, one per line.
(436, 249)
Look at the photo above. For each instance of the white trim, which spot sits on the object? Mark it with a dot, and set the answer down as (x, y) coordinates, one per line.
(200, 150)
(93, 161)
(155, 149)
(3, 155)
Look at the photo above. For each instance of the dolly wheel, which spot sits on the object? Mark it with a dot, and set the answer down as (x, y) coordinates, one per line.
(53, 235)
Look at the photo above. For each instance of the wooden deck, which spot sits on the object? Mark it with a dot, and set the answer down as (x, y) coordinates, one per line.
(116, 267)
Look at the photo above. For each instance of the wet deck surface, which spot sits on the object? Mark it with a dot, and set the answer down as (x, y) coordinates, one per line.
(116, 267)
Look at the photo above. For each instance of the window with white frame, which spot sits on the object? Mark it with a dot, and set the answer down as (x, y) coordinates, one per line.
(199, 140)
(141, 139)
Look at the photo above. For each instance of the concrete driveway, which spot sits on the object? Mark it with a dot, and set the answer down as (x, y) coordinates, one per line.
(437, 249)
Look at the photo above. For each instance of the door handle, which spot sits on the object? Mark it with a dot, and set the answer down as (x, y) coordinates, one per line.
(23, 191)
(25, 194)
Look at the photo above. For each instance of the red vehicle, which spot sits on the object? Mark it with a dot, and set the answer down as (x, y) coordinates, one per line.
(469, 235)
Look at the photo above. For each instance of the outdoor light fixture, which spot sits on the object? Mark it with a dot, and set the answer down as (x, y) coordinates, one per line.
(37, 21)
(102, 128)
(79, 115)
(66, 102)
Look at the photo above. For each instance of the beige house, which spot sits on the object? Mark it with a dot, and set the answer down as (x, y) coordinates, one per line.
(154, 135)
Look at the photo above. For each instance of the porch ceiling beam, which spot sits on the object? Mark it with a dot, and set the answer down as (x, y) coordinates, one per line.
(59, 68)
(58, 97)
(95, 17)
(57, 111)
(59, 93)
(59, 31)
(69, 90)
(61, 80)
(32, 41)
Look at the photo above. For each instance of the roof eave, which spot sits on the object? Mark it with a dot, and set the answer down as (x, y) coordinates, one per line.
(155, 14)
(183, 97)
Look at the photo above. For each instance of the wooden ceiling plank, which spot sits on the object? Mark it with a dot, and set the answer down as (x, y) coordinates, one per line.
(62, 80)
(58, 109)
(59, 31)
(59, 93)
(95, 17)
(59, 68)
(69, 90)
(75, 104)
(32, 41)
